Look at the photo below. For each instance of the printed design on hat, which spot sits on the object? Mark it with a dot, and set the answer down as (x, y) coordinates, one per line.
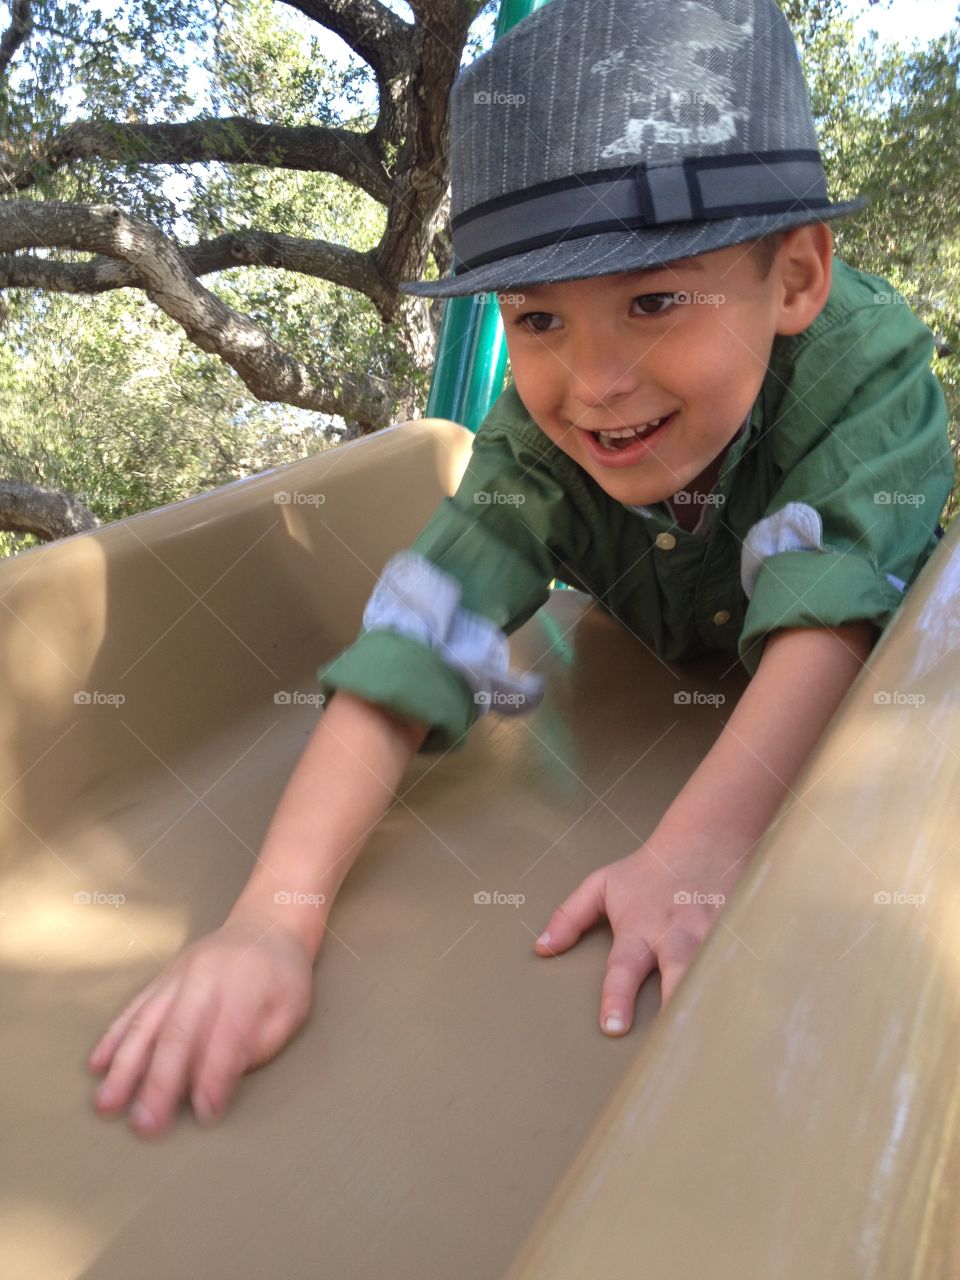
(667, 85)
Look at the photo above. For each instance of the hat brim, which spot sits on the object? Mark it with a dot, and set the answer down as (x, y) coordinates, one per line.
(612, 252)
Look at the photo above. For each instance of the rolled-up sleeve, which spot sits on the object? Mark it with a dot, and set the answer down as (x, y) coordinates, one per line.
(853, 519)
(435, 649)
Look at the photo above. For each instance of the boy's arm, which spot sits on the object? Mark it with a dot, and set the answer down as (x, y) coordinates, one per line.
(658, 898)
(739, 785)
(231, 1000)
(340, 789)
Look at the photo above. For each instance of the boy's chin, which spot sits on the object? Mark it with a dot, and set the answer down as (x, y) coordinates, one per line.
(634, 495)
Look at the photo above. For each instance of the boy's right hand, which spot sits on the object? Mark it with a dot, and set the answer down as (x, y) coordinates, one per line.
(226, 1004)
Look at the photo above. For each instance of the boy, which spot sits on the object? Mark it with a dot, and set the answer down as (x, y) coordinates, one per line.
(640, 181)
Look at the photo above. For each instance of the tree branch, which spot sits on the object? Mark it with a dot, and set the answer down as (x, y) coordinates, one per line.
(371, 30)
(21, 25)
(236, 140)
(268, 372)
(46, 513)
(336, 263)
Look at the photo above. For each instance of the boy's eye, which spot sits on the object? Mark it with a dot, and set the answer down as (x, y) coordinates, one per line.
(656, 297)
(534, 320)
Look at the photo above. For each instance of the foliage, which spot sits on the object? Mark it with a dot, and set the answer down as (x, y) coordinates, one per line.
(104, 397)
(109, 400)
(889, 128)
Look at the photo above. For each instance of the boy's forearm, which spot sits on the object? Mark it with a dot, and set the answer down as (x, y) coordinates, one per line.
(340, 789)
(738, 787)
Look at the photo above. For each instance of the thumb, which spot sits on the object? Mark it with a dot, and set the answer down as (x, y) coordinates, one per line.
(583, 908)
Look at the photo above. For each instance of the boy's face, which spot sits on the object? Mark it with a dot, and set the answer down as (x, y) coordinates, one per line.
(618, 351)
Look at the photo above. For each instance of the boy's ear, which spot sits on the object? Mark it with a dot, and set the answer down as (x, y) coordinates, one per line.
(803, 271)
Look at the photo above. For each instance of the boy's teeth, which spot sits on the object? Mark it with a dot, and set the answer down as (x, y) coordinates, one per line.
(628, 432)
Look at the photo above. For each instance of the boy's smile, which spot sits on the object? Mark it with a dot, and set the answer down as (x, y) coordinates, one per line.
(684, 345)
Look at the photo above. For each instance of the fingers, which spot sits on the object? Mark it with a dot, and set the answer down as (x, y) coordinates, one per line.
(102, 1053)
(221, 1062)
(166, 1079)
(573, 917)
(629, 963)
(248, 1032)
(131, 1044)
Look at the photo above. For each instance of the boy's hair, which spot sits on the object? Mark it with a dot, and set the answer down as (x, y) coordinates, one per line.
(765, 250)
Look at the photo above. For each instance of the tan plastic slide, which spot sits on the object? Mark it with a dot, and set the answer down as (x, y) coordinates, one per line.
(451, 1110)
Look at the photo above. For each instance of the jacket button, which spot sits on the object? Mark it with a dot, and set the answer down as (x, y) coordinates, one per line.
(665, 541)
(720, 617)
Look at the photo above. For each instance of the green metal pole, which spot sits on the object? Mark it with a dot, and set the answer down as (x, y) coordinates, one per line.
(471, 362)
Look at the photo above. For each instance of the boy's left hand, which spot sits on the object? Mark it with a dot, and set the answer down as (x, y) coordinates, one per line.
(661, 905)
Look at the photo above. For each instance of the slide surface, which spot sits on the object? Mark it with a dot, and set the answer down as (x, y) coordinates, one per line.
(451, 1107)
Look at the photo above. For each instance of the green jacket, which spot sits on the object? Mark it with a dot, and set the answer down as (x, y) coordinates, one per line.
(824, 513)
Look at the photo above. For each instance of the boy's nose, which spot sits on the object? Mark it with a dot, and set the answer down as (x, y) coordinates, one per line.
(602, 370)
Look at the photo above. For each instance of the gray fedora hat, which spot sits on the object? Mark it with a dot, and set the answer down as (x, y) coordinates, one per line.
(600, 136)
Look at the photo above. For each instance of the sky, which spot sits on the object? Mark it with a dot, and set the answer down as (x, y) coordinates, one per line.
(896, 22)
(905, 21)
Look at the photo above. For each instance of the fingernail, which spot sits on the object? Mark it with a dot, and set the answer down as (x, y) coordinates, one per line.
(142, 1115)
(543, 940)
(104, 1093)
(614, 1024)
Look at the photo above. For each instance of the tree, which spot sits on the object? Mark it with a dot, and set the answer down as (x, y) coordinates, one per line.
(268, 203)
(889, 123)
(398, 160)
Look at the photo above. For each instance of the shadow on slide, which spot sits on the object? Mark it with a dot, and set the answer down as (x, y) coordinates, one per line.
(451, 1108)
